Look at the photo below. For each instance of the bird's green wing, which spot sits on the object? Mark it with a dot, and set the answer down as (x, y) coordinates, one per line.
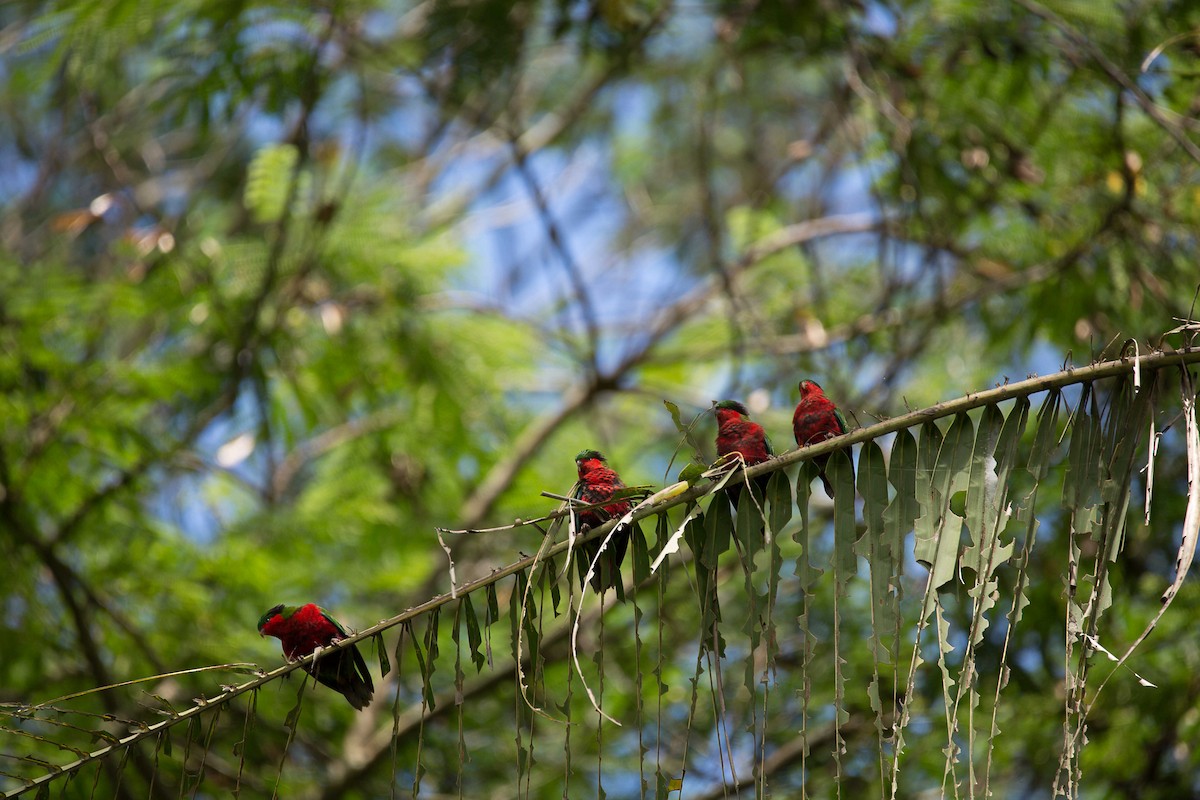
(767, 442)
(837, 412)
(333, 621)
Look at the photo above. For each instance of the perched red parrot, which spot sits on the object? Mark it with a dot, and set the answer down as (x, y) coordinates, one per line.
(302, 629)
(737, 433)
(598, 483)
(817, 419)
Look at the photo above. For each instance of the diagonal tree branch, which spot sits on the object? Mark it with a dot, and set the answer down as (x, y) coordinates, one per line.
(523, 448)
(558, 241)
(345, 774)
(328, 440)
(685, 494)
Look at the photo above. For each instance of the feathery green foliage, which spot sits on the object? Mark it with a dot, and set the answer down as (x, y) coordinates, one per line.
(284, 289)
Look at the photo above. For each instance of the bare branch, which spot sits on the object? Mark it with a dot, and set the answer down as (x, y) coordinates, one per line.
(530, 440)
(559, 243)
(1116, 74)
(322, 443)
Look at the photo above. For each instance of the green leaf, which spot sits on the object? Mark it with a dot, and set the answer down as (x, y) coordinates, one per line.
(873, 486)
(694, 534)
(988, 550)
(493, 606)
(474, 634)
(938, 529)
(663, 536)
(692, 473)
(431, 637)
(718, 529)
(385, 665)
(676, 417)
(983, 491)
(639, 492)
(641, 552)
(269, 180)
(662, 531)
(699, 534)
(748, 526)
(1014, 431)
(550, 575)
(806, 569)
(532, 635)
(1083, 456)
(1128, 420)
(748, 223)
(514, 610)
(903, 510)
(845, 529)
(779, 494)
(878, 551)
(293, 716)
(958, 503)
(686, 432)
(1046, 439)
(428, 664)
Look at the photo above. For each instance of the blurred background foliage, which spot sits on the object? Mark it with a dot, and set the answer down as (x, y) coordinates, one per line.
(284, 286)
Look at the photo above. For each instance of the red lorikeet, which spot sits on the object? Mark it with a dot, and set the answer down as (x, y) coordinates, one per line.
(737, 433)
(598, 483)
(817, 419)
(302, 629)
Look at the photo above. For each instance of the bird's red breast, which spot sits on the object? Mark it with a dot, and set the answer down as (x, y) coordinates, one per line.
(303, 632)
(815, 418)
(597, 484)
(735, 434)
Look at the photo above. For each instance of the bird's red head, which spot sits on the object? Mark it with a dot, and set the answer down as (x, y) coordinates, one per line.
(729, 411)
(267, 622)
(810, 389)
(588, 460)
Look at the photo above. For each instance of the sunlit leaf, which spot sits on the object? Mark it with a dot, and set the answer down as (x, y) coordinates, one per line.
(269, 181)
